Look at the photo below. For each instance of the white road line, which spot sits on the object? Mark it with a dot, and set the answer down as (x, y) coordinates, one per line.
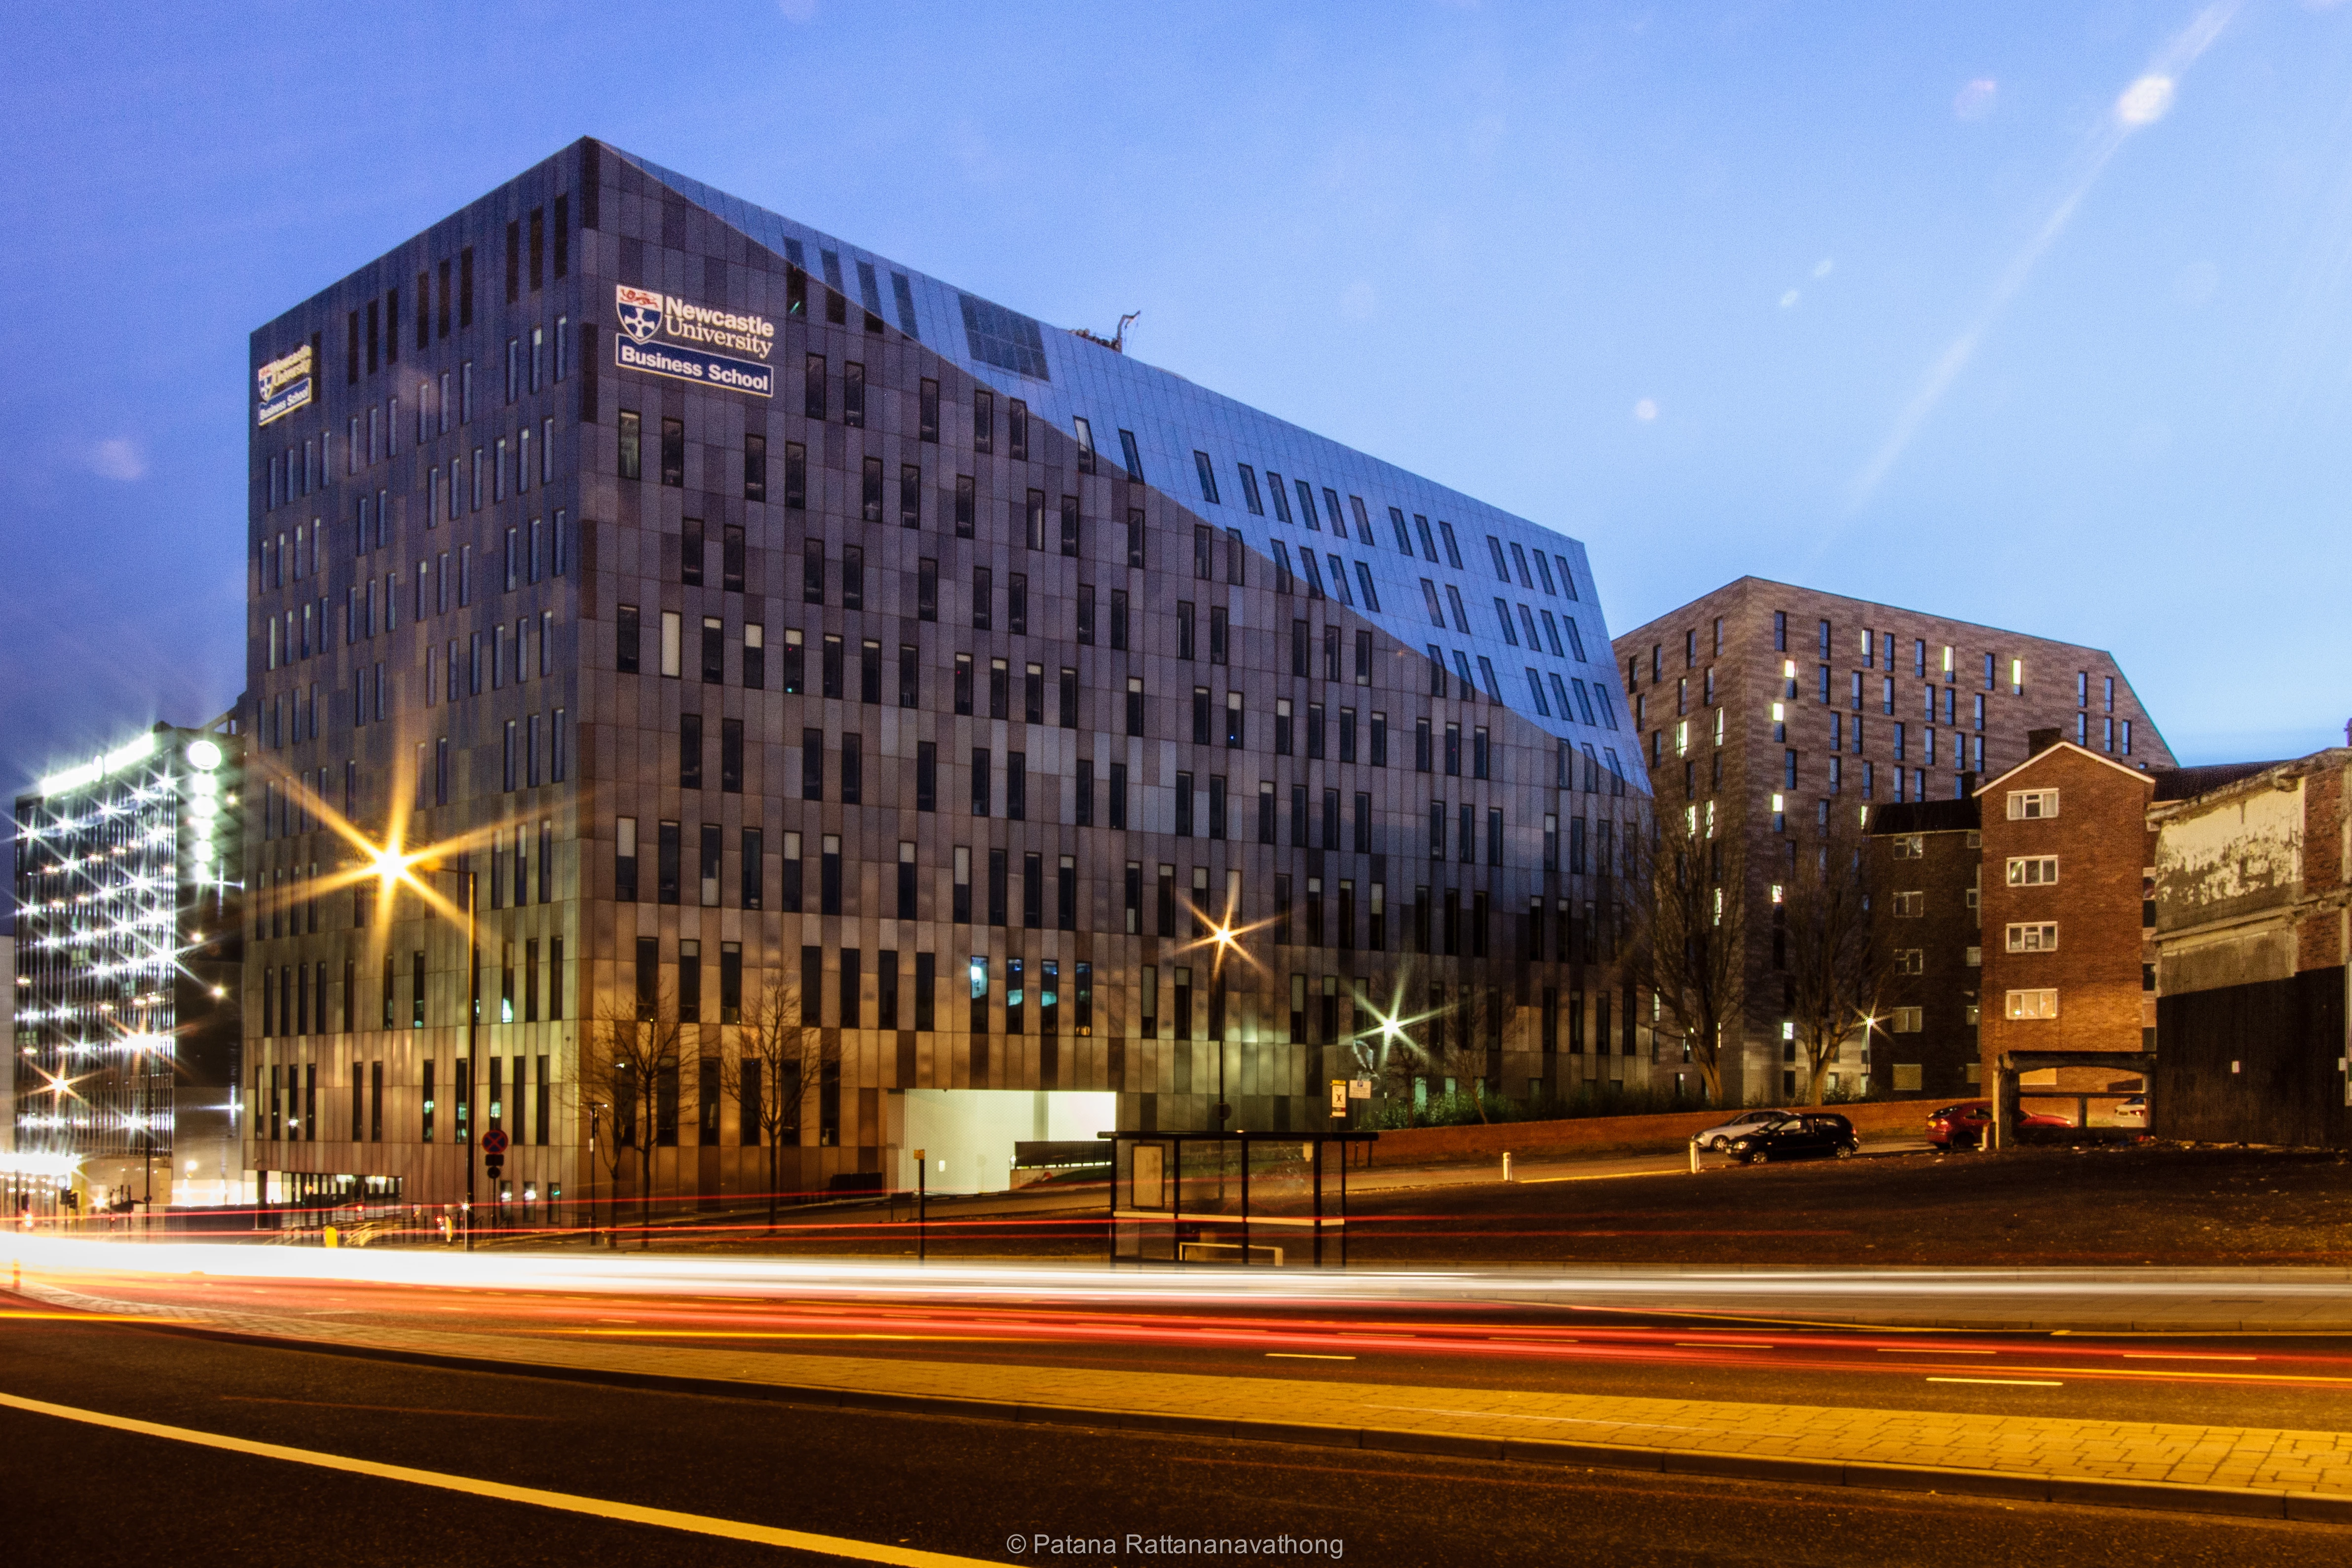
(2005, 1381)
(1303, 1355)
(629, 1513)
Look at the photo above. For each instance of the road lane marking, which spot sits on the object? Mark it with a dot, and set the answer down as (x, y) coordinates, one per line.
(1718, 1345)
(1304, 1355)
(567, 1502)
(1513, 1416)
(394, 1410)
(2006, 1381)
(1923, 1350)
(774, 1334)
(2178, 1355)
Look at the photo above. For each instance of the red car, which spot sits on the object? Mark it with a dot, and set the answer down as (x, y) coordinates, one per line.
(1962, 1126)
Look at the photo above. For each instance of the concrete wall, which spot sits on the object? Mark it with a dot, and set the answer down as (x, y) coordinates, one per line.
(2251, 911)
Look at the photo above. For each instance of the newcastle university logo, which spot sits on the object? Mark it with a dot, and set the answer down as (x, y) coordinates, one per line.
(660, 335)
(640, 311)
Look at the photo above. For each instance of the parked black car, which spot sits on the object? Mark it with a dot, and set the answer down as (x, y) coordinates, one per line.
(1796, 1137)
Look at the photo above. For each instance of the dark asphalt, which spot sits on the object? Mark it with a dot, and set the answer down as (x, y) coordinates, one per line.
(84, 1495)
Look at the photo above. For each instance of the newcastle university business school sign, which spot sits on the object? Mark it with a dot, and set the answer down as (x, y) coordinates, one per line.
(664, 336)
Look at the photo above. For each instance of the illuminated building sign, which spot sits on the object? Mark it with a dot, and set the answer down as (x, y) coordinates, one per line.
(664, 336)
(285, 384)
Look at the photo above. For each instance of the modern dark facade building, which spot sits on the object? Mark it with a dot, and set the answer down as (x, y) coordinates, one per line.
(740, 609)
(1769, 706)
(129, 938)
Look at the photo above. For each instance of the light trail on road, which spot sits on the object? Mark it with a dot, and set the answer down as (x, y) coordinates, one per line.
(1560, 1325)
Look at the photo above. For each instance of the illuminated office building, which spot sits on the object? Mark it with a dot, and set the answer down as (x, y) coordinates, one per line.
(128, 944)
(758, 608)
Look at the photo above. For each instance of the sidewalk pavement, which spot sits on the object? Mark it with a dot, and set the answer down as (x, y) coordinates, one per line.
(2254, 1471)
(1379, 1178)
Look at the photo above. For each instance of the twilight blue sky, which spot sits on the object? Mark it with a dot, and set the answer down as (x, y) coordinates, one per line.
(1923, 303)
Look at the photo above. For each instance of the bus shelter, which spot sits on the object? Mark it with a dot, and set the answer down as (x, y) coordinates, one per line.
(1276, 1199)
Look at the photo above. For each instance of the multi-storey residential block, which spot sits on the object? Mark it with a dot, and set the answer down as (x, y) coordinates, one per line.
(1925, 892)
(2069, 860)
(1780, 704)
(742, 613)
(127, 950)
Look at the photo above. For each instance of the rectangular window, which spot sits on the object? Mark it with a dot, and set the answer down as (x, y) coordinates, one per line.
(1208, 475)
(1249, 490)
(665, 862)
(813, 387)
(2031, 805)
(2030, 1005)
(673, 453)
(755, 467)
(2032, 936)
(2032, 870)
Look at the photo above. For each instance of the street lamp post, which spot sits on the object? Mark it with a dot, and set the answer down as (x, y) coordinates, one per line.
(393, 867)
(1223, 936)
(473, 1026)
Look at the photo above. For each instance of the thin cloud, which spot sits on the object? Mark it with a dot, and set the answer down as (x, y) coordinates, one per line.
(117, 458)
(2147, 99)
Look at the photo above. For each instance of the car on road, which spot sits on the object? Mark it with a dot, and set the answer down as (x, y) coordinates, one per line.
(1794, 1138)
(1718, 1138)
(2133, 1110)
(1962, 1126)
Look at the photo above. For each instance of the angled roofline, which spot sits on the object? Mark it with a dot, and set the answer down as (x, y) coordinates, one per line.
(1177, 425)
(2267, 775)
(2144, 776)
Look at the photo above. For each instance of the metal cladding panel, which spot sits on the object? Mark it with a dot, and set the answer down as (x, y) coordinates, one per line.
(1173, 419)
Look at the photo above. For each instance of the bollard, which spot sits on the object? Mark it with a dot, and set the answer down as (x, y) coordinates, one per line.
(1506, 1164)
(333, 1237)
(1694, 1156)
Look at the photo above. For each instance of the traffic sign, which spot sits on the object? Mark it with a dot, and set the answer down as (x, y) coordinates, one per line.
(494, 1142)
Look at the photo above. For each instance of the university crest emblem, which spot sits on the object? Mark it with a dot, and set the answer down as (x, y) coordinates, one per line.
(640, 311)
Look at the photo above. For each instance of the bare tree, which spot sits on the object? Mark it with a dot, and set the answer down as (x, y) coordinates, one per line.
(771, 1070)
(1836, 959)
(1684, 887)
(629, 1055)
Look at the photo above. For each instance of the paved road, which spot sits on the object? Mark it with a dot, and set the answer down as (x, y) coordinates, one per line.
(916, 1483)
(1631, 1334)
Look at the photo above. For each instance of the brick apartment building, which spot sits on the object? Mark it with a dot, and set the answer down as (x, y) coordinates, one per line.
(2068, 958)
(1924, 878)
(1775, 704)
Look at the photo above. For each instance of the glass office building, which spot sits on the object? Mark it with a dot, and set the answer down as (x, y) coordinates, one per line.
(757, 623)
(128, 947)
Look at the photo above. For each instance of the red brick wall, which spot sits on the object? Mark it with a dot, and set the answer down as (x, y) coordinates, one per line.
(2319, 938)
(1596, 1135)
(2101, 838)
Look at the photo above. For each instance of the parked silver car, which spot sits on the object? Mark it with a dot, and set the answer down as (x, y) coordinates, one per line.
(1718, 1138)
